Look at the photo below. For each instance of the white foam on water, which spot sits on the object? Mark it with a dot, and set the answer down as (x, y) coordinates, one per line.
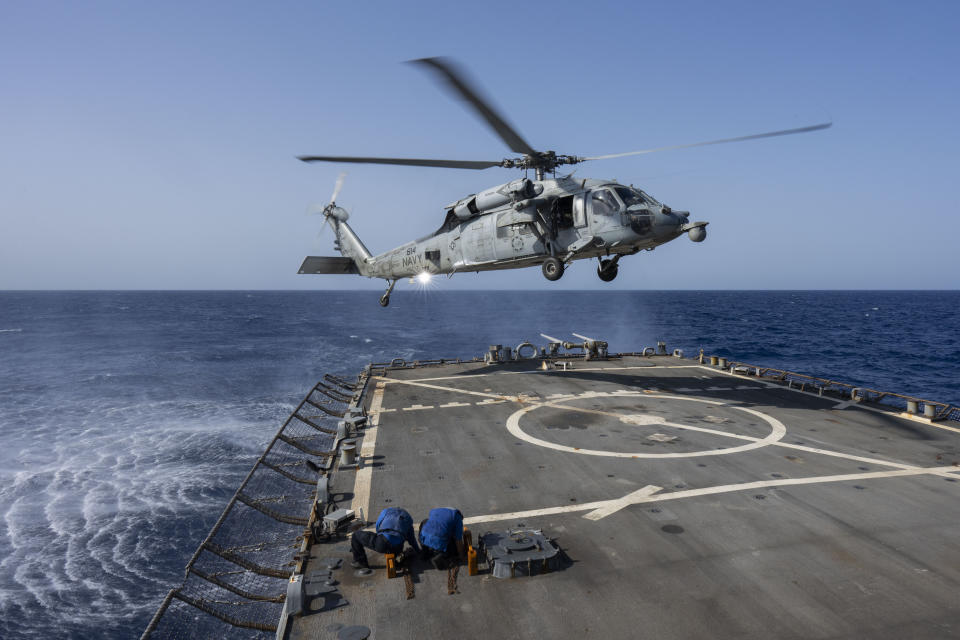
(97, 509)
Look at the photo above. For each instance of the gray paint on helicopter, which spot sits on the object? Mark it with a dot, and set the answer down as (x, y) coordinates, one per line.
(550, 221)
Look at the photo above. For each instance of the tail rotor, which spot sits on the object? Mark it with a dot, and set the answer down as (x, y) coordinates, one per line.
(330, 209)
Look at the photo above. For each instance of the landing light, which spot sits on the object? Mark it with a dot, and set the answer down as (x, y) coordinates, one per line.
(424, 278)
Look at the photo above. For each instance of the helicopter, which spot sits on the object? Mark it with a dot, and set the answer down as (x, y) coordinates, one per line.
(549, 220)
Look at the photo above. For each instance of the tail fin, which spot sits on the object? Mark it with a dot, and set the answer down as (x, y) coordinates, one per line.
(323, 264)
(354, 254)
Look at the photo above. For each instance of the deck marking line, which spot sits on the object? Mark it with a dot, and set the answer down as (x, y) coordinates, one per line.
(778, 431)
(615, 505)
(418, 407)
(729, 488)
(843, 404)
(535, 371)
(361, 486)
(848, 456)
(925, 420)
(497, 396)
(769, 440)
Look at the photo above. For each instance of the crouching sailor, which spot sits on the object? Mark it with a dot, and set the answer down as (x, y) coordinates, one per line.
(441, 535)
(394, 527)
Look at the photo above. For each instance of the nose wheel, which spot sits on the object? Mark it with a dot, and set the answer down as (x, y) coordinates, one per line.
(552, 268)
(385, 298)
(607, 269)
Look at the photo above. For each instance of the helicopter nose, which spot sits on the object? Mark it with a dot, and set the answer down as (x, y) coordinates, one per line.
(668, 222)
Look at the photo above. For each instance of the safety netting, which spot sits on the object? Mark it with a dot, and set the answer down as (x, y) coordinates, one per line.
(235, 583)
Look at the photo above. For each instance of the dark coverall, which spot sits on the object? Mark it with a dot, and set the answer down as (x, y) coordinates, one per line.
(441, 533)
(394, 526)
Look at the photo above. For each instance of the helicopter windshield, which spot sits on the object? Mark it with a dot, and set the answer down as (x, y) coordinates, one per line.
(632, 197)
(603, 202)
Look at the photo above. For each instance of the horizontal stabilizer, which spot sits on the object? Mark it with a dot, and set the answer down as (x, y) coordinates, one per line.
(324, 264)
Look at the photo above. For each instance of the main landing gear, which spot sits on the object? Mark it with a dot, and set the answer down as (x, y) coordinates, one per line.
(607, 269)
(385, 298)
(552, 268)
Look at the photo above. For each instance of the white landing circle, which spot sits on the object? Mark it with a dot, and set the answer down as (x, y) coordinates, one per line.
(777, 430)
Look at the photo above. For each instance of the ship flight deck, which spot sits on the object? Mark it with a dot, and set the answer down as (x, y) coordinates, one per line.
(688, 502)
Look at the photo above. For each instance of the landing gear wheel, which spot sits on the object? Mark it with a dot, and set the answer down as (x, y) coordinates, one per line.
(608, 270)
(552, 269)
(385, 298)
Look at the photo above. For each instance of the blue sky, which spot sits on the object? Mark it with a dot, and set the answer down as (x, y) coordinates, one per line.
(152, 145)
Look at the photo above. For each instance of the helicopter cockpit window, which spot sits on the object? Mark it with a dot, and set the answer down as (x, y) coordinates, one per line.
(631, 197)
(604, 202)
(650, 198)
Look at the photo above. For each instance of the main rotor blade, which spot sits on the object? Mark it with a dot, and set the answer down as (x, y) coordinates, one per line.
(771, 134)
(417, 162)
(457, 81)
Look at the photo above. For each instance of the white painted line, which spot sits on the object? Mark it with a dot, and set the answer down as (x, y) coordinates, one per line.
(361, 485)
(615, 505)
(677, 366)
(454, 404)
(925, 420)
(842, 404)
(498, 396)
(778, 430)
(773, 439)
(418, 407)
(693, 493)
(846, 456)
(534, 372)
(533, 513)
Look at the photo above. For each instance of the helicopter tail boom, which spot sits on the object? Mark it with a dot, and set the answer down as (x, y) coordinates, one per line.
(354, 258)
(349, 244)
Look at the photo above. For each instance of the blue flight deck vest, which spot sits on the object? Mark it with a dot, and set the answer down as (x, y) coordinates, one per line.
(442, 524)
(396, 525)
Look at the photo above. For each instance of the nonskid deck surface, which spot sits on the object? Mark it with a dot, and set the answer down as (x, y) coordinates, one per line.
(690, 503)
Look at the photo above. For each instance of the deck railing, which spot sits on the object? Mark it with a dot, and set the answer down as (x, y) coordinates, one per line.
(235, 583)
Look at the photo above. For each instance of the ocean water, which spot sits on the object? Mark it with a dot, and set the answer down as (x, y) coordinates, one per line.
(127, 419)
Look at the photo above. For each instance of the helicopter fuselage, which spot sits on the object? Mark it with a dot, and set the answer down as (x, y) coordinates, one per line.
(524, 222)
(550, 222)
